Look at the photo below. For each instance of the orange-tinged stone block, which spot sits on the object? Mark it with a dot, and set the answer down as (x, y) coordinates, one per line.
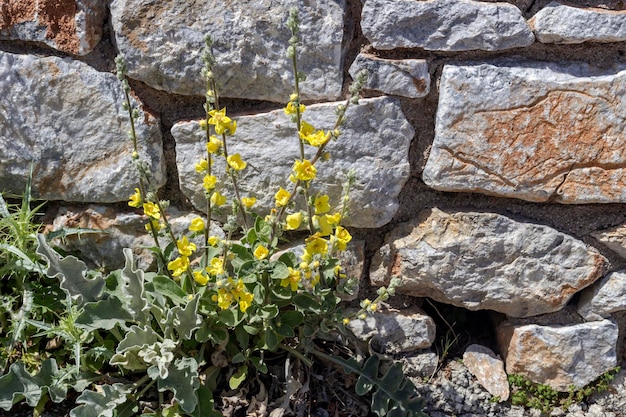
(533, 131)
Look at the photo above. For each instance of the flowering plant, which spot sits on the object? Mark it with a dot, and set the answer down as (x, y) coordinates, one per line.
(222, 304)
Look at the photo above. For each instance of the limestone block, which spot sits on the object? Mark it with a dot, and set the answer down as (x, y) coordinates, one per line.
(559, 356)
(162, 43)
(400, 77)
(67, 119)
(604, 297)
(71, 26)
(559, 23)
(535, 131)
(486, 261)
(613, 238)
(444, 25)
(106, 232)
(488, 369)
(375, 143)
(396, 331)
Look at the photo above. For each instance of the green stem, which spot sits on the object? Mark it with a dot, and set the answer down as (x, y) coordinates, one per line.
(307, 361)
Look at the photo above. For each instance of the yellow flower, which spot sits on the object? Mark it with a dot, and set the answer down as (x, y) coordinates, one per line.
(208, 183)
(200, 277)
(304, 170)
(293, 221)
(317, 138)
(202, 165)
(248, 202)
(185, 248)
(343, 237)
(222, 123)
(218, 199)
(316, 245)
(291, 108)
(321, 204)
(178, 266)
(151, 210)
(216, 266)
(261, 252)
(213, 145)
(346, 320)
(213, 240)
(202, 124)
(333, 218)
(292, 280)
(282, 197)
(322, 224)
(245, 301)
(153, 225)
(135, 199)
(197, 225)
(305, 129)
(235, 162)
(224, 298)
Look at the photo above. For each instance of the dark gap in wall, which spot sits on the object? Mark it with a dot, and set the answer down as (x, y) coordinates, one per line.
(457, 328)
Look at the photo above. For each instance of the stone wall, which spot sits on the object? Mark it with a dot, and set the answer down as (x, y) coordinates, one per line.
(490, 152)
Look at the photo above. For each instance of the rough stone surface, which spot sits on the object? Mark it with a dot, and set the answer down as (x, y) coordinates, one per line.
(604, 297)
(72, 26)
(558, 23)
(488, 369)
(375, 143)
(106, 232)
(570, 354)
(444, 25)
(486, 261)
(396, 331)
(68, 120)
(400, 77)
(162, 42)
(613, 238)
(420, 364)
(530, 130)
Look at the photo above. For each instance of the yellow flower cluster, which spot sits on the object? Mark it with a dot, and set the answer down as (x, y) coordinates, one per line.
(180, 265)
(223, 124)
(233, 291)
(313, 137)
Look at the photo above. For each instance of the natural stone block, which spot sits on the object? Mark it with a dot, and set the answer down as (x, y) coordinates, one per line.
(559, 355)
(67, 119)
(444, 25)
(484, 261)
(162, 42)
(374, 142)
(72, 26)
(604, 297)
(104, 232)
(535, 131)
(488, 369)
(558, 23)
(613, 238)
(395, 332)
(400, 77)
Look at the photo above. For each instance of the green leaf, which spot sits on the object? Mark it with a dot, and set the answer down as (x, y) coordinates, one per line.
(271, 339)
(71, 273)
(230, 317)
(238, 377)
(242, 337)
(103, 314)
(393, 394)
(306, 302)
(268, 311)
(279, 270)
(131, 289)
(289, 259)
(102, 403)
(259, 364)
(263, 230)
(206, 404)
(18, 385)
(169, 288)
(283, 330)
(182, 380)
(292, 318)
(183, 320)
